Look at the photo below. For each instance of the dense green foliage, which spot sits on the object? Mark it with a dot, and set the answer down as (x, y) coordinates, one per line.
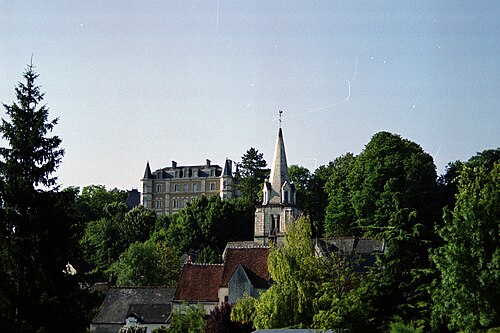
(36, 223)
(467, 297)
(210, 222)
(187, 319)
(147, 264)
(389, 192)
(307, 291)
(340, 215)
(251, 175)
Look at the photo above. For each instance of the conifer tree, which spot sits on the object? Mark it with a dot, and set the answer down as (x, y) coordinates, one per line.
(36, 223)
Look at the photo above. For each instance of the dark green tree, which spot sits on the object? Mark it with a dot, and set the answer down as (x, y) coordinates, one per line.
(296, 274)
(392, 190)
(317, 198)
(147, 264)
(187, 319)
(94, 199)
(340, 215)
(300, 177)
(36, 222)
(251, 175)
(211, 223)
(466, 294)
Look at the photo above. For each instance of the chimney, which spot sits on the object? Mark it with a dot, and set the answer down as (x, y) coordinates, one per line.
(174, 164)
(208, 162)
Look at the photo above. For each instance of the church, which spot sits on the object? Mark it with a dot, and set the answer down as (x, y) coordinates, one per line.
(278, 208)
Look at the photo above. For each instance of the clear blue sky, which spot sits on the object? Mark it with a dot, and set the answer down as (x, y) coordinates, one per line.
(184, 80)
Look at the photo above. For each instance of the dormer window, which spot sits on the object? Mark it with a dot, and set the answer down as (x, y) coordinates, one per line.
(285, 197)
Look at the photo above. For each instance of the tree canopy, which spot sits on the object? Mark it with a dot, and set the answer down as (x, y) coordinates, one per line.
(467, 296)
(251, 175)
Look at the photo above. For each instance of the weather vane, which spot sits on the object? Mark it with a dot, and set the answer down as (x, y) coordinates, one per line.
(280, 113)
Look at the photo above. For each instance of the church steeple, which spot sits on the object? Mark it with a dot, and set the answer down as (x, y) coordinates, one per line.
(278, 205)
(279, 176)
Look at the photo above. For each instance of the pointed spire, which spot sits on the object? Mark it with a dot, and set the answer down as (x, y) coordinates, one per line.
(147, 172)
(228, 168)
(279, 170)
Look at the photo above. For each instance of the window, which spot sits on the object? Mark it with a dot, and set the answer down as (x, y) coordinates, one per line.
(185, 187)
(158, 204)
(176, 174)
(212, 173)
(212, 186)
(176, 203)
(158, 188)
(285, 197)
(176, 187)
(195, 187)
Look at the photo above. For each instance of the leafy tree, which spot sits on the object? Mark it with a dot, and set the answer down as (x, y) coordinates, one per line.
(467, 296)
(36, 222)
(340, 215)
(392, 190)
(251, 175)
(295, 271)
(339, 302)
(300, 176)
(208, 255)
(147, 264)
(94, 199)
(187, 319)
(105, 239)
(211, 223)
(138, 224)
(219, 321)
(400, 327)
(317, 198)
(448, 182)
(243, 311)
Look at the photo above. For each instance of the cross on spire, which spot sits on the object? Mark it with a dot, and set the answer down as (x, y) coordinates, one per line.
(280, 113)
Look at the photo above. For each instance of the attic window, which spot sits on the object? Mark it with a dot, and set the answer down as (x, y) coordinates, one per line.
(285, 197)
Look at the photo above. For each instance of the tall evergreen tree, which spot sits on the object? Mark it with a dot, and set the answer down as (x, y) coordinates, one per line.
(37, 239)
(251, 175)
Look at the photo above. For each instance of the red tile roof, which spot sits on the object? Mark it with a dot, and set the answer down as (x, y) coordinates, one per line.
(199, 283)
(254, 260)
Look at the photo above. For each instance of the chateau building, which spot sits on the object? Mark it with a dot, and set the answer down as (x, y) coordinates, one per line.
(278, 206)
(169, 189)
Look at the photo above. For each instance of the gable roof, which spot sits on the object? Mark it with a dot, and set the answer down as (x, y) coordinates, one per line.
(150, 313)
(350, 245)
(199, 283)
(118, 300)
(253, 260)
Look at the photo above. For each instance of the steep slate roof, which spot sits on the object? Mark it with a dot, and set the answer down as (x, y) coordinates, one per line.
(253, 260)
(199, 283)
(352, 245)
(147, 172)
(119, 299)
(362, 251)
(279, 170)
(151, 313)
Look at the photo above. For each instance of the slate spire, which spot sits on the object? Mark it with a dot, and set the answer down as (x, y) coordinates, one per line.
(279, 170)
(147, 172)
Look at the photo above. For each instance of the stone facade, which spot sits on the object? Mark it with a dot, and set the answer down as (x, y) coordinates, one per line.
(278, 206)
(169, 189)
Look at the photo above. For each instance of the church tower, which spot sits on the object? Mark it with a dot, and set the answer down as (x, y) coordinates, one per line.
(278, 205)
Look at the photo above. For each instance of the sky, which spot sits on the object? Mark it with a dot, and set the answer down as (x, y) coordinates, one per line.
(158, 80)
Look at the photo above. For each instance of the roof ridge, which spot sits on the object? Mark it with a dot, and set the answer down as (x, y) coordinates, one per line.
(203, 264)
(141, 287)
